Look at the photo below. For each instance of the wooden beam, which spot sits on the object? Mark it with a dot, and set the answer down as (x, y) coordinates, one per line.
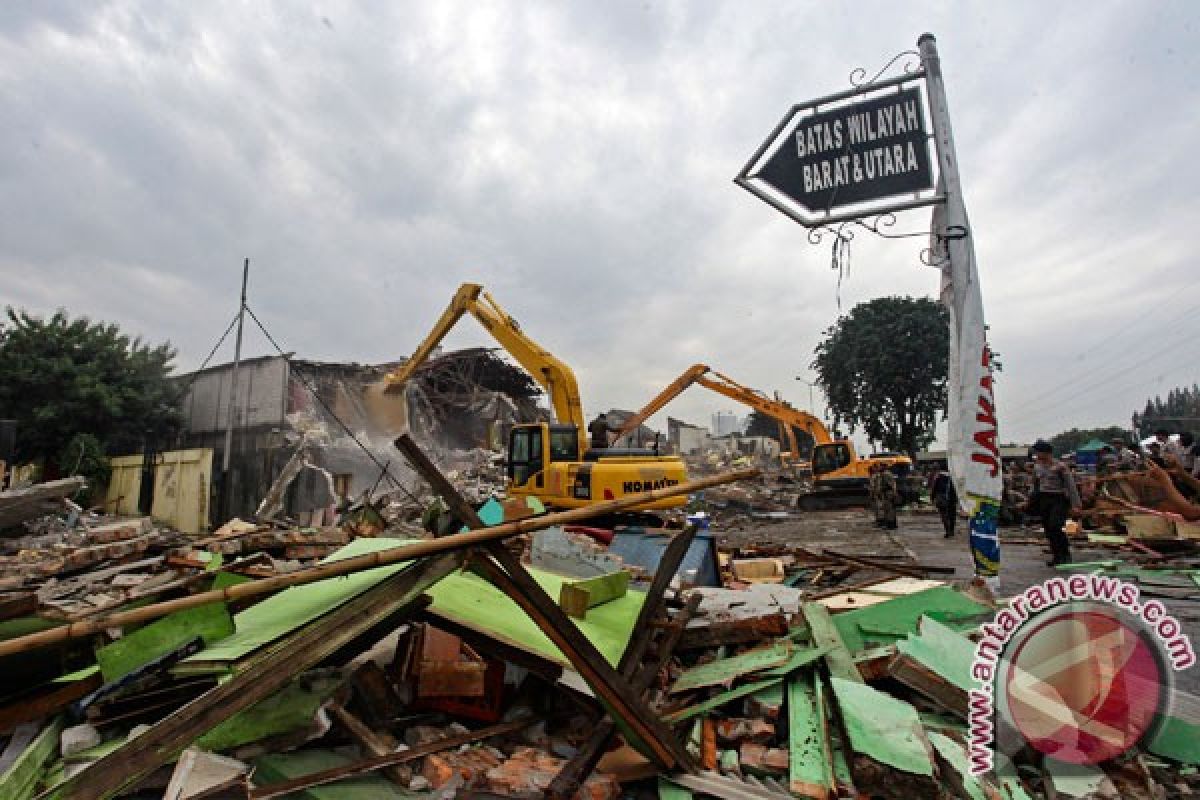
(507, 573)
(570, 778)
(395, 555)
(263, 677)
(668, 565)
(576, 596)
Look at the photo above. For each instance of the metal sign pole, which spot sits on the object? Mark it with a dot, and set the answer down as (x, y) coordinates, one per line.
(972, 428)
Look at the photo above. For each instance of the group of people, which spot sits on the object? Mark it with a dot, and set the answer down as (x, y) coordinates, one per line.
(1167, 469)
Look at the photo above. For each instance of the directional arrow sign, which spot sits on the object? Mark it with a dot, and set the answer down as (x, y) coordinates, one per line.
(856, 153)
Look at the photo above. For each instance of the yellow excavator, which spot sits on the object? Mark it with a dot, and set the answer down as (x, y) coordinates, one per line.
(840, 476)
(551, 461)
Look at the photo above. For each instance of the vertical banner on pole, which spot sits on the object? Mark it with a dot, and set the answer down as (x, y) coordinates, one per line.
(971, 424)
(860, 156)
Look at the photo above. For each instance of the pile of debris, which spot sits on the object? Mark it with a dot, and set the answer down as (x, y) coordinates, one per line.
(514, 653)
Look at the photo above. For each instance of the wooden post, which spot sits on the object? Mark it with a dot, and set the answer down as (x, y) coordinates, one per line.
(507, 573)
(266, 675)
(347, 566)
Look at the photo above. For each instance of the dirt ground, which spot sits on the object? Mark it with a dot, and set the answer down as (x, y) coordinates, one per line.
(920, 536)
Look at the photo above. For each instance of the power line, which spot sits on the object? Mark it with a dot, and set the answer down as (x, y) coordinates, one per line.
(384, 468)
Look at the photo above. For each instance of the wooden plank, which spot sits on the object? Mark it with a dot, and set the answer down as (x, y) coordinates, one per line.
(507, 573)
(140, 756)
(22, 776)
(393, 759)
(668, 565)
(810, 764)
(936, 663)
(573, 775)
(373, 743)
(136, 649)
(716, 701)
(892, 755)
(724, 671)
(825, 634)
(736, 631)
(577, 596)
(46, 700)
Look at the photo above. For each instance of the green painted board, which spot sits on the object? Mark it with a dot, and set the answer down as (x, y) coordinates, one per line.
(882, 727)
(810, 762)
(944, 651)
(825, 633)
(21, 778)
(672, 791)
(800, 658)
(953, 754)
(1073, 780)
(279, 767)
(290, 708)
(726, 670)
(718, 700)
(1178, 740)
(462, 597)
(886, 622)
(210, 622)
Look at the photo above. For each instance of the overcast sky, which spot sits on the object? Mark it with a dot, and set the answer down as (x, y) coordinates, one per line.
(577, 159)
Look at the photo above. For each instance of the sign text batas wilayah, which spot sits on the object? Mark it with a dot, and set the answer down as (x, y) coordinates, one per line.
(857, 153)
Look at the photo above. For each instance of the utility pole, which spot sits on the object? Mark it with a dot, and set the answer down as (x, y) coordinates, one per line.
(231, 407)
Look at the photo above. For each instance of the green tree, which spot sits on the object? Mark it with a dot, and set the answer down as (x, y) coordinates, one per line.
(63, 377)
(1179, 412)
(1068, 441)
(883, 368)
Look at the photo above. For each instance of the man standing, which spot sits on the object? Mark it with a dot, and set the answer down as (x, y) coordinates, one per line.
(1054, 496)
(599, 429)
(884, 495)
(945, 498)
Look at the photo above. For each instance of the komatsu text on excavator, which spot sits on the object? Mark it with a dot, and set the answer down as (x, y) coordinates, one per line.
(552, 461)
(840, 476)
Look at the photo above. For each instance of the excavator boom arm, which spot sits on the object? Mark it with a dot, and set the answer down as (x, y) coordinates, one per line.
(673, 390)
(724, 385)
(551, 374)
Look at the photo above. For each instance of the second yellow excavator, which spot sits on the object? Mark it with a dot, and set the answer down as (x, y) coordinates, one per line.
(552, 461)
(840, 476)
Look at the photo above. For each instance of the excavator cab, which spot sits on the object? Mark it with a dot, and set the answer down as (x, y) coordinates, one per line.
(831, 457)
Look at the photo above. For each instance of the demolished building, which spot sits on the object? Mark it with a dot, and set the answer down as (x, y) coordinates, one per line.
(339, 420)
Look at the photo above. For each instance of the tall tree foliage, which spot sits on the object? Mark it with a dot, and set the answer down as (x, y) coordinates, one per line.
(1179, 412)
(1068, 441)
(883, 367)
(62, 377)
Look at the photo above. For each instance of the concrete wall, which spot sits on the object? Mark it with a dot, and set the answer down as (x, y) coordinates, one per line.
(261, 397)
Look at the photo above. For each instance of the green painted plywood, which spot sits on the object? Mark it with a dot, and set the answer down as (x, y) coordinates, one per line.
(21, 778)
(1178, 740)
(463, 597)
(882, 727)
(946, 652)
(884, 623)
(291, 708)
(280, 767)
(726, 670)
(719, 700)
(210, 622)
(954, 755)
